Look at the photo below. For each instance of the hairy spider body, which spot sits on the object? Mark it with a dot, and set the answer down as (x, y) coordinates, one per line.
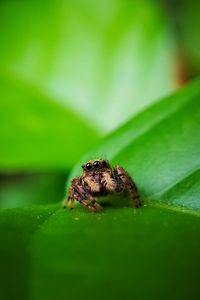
(99, 179)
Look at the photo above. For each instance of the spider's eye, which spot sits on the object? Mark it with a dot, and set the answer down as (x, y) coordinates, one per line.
(96, 164)
(88, 166)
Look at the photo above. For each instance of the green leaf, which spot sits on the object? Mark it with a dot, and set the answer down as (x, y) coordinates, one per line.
(16, 229)
(25, 189)
(124, 252)
(36, 132)
(149, 253)
(102, 59)
(161, 149)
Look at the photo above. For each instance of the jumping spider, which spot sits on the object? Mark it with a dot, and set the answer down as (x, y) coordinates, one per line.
(98, 179)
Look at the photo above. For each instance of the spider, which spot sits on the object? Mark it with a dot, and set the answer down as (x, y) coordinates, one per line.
(98, 179)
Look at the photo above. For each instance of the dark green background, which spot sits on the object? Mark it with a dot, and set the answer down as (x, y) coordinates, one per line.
(81, 80)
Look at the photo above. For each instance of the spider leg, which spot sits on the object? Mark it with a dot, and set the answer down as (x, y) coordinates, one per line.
(78, 192)
(70, 199)
(65, 203)
(72, 203)
(84, 196)
(134, 194)
(125, 180)
(91, 183)
(108, 181)
(91, 204)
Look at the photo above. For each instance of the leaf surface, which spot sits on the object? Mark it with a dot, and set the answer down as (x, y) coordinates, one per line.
(160, 148)
(16, 229)
(147, 253)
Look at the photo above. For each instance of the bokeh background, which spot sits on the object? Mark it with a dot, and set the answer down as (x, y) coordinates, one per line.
(71, 73)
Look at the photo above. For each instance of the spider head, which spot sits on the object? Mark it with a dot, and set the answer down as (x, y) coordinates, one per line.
(97, 165)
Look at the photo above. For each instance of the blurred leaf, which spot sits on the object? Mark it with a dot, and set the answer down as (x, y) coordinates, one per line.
(37, 133)
(189, 26)
(16, 229)
(147, 253)
(105, 59)
(161, 149)
(184, 18)
(25, 189)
